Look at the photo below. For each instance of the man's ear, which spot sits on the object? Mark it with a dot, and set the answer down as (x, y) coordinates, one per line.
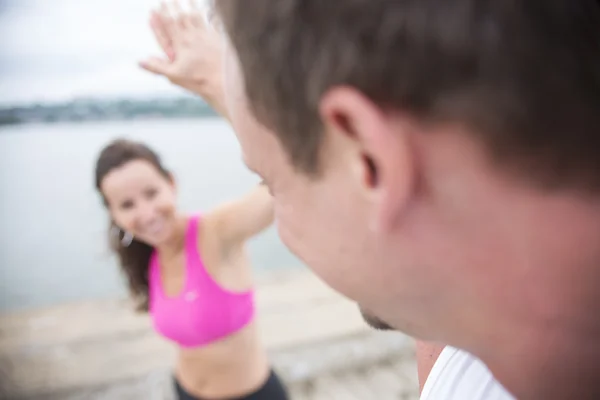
(377, 147)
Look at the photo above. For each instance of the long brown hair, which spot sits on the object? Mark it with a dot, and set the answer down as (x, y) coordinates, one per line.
(135, 257)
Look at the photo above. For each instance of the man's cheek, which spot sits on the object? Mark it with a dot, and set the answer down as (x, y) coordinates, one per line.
(287, 238)
(290, 234)
(284, 224)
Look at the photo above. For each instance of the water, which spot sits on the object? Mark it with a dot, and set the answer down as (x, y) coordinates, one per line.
(53, 243)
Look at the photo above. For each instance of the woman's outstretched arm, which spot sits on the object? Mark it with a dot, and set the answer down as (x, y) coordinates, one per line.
(238, 220)
(192, 60)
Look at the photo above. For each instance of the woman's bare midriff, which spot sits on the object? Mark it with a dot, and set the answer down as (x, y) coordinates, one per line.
(231, 367)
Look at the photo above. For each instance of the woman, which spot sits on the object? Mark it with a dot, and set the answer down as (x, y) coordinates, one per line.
(190, 272)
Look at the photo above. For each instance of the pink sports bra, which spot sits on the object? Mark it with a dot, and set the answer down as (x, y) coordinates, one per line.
(204, 311)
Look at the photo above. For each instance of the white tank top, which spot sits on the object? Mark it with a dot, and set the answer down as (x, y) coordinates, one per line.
(457, 375)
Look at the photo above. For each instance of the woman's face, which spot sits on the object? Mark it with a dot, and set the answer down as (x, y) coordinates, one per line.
(141, 201)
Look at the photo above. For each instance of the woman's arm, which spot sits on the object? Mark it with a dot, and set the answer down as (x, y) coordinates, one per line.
(238, 220)
(192, 60)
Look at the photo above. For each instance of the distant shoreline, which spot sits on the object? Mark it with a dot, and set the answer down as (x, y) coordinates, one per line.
(96, 110)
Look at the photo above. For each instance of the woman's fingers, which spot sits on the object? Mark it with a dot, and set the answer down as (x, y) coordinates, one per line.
(168, 23)
(196, 17)
(162, 36)
(182, 18)
(157, 66)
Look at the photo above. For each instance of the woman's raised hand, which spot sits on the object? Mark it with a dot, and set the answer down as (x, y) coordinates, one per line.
(192, 51)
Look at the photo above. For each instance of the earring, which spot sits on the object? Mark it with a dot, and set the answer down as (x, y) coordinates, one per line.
(126, 239)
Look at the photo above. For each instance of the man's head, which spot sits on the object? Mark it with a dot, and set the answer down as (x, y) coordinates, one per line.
(423, 153)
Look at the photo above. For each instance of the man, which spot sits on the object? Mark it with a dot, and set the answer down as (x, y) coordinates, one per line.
(437, 162)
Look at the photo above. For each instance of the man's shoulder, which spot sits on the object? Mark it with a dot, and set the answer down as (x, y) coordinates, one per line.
(457, 375)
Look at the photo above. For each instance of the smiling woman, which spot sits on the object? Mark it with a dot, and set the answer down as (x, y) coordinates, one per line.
(190, 273)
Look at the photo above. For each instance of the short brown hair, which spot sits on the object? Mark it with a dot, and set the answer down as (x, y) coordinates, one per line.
(522, 75)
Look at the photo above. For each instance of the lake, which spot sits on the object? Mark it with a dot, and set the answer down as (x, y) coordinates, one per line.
(53, 226)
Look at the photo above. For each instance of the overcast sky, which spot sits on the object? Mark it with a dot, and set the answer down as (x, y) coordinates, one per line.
(53, 50)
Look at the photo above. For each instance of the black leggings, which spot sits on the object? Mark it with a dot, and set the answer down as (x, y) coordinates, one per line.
(272, 389)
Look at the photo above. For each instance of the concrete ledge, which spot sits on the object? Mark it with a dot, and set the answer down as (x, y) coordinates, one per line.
(299, 367)
(358, 351)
